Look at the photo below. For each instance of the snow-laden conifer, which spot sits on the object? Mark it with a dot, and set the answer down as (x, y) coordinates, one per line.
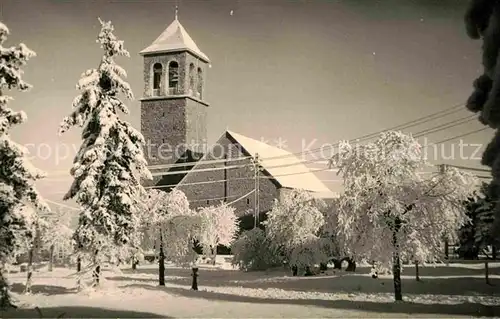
(110, 162)
(477, 235)
(17, 174)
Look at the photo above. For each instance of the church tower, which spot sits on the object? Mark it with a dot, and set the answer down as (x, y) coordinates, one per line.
(173, 107)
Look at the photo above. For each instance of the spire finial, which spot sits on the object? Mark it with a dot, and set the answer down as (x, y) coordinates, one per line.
(176, 12)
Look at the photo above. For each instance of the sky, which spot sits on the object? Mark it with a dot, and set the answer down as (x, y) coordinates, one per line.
(305, 72)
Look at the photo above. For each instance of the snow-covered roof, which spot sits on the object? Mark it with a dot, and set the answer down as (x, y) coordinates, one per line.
(174, 38)
(288, 170)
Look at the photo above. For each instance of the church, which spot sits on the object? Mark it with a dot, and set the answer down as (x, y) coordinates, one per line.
(237, 169)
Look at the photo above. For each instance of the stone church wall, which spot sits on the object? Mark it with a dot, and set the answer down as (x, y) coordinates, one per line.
(240, 181)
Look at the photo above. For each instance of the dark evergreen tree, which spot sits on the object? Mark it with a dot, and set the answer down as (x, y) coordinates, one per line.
(482, 21)
(477, 235)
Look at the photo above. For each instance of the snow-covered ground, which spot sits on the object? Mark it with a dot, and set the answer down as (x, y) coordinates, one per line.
(453, 291)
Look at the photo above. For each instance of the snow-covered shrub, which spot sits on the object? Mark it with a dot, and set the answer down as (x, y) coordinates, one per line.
(308, 253)
(292, 224)
(252, 250)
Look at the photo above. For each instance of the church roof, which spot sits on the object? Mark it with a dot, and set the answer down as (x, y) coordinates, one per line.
(174, 38)
(288, 170)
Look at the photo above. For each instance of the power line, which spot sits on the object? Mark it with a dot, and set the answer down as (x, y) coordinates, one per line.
(446, 126)
(441, 127)
(459, 136)
(61, 205)
(237, 200)
(250, 164)
(469, 168)
(434, 129)
(418, 121)
(200, 162)
(412, 123)
(227, 180)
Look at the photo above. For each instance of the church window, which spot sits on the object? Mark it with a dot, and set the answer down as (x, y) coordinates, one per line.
(173, 78)
(192, 75)
(200, 83)
(157, 75)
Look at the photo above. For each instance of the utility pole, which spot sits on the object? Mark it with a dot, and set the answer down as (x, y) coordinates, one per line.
(225, 178)
(258, 191)
(442, 171)
(256, 170)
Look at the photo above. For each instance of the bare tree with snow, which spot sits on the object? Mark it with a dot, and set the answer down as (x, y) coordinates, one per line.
(219, 226)
(57, 235)
(17, 174)
(389, 210)
(110, 163)
(169, 226)
(293, 225)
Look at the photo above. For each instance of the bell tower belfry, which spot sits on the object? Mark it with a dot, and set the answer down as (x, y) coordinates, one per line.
(173, 107)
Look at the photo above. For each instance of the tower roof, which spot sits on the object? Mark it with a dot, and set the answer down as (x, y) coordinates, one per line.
(174, 38)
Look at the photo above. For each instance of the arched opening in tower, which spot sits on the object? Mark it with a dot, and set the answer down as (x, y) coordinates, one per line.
(192, 77)
(200, 84)
(173, 78)
(157, 75)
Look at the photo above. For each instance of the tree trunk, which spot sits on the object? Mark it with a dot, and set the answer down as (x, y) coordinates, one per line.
(194, 283)
(51, 257)
(78, 270)
(97, 274)
(134, 263)
(97, 270)
(351, 264)
(446, 251)
(5, 300)
(27, 289)
(417, 274)
(295, 270)
(161, 263)
(214, 255)
(396, 261)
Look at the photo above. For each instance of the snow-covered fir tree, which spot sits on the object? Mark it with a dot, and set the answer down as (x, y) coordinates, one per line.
(110, 162)
(390, 211)
(293, 225)
(477, 234)
(17, 174)
(219, 226)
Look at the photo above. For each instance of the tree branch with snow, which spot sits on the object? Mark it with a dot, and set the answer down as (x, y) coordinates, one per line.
(389, 210)
(293, 226)
(110, 162)
(17, 174)
(219, 226)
